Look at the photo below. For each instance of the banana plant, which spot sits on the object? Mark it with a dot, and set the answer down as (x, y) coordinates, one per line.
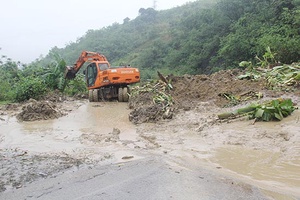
(269, 111)
(54, 74)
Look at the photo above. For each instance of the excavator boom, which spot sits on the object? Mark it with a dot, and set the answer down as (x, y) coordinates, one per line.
(86, 56)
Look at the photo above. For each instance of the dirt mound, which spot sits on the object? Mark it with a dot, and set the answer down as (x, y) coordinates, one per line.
(39, 110)
(222, 89)
(150, 113)
(150, 103)
(189, 89)
(54, 96)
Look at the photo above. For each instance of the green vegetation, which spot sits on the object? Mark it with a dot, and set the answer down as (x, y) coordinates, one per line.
(29, 87)
(282, 77)
(269, 111)
(198, 37)
(158, 90)
(20, 83)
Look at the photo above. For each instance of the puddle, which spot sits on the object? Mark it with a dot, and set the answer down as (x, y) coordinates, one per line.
(267, 169)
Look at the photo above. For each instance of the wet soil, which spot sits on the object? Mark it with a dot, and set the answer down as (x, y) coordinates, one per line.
(222, 89)
(81, 134)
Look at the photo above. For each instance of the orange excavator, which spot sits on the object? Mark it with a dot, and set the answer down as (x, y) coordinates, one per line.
(103, 81)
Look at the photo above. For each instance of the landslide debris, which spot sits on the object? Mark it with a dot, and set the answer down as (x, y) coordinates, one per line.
(39, 110)
(283, 77)
(150, 102)
(161, 99)
(267, 111)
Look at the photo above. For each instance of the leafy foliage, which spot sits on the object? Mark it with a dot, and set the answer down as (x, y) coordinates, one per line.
(283, 77)
(273, 110)
(269, 111)
(54, 74)
(9, 74)
(76, 86)
(20, 82)
(29, 87)
(198, 37)
(159, 90)
(268, 58)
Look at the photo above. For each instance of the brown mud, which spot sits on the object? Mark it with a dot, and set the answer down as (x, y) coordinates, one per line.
(221, 89)
(53, 136)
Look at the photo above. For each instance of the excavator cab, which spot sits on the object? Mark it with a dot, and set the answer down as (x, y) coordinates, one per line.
(91, 74)
(93, 70)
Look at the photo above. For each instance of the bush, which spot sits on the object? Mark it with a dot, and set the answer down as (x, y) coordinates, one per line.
(76, 86)
(5, 93)
(29, 87)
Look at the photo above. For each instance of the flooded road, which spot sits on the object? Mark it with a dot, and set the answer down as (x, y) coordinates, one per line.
(67, 134)
(265, 169)
(101, 133)
(267, 154)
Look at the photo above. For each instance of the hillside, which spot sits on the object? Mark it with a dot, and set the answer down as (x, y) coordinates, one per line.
(198, 37)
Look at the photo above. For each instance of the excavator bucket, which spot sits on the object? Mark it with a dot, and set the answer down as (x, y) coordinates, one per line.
(70, 73)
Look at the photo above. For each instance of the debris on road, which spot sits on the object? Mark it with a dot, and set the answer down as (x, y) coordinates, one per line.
(268, 111)
(39, 110)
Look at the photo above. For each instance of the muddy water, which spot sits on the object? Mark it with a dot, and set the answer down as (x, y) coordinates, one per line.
(89, 132)
(85, 132)
(271, 160)
(266, 169)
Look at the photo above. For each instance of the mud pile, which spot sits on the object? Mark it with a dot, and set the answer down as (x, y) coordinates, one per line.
(150, 103)
(55, 97)
(39, 110)
(189, 89)
(222, 89)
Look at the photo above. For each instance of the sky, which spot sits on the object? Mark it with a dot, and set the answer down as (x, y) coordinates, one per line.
(30, 28)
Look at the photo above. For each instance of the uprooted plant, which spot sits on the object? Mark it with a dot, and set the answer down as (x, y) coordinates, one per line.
(158, 105)
(269, 111)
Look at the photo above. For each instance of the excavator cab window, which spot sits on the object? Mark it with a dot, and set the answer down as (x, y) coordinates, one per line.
(91, 74)
(103, 66)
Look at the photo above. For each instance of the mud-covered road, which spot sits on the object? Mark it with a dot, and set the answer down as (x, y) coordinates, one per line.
(94, 152)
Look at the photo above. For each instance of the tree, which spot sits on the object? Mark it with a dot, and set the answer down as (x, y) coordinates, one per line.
(54, 74)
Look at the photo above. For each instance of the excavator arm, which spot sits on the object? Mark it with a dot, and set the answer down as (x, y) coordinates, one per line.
(86, 56)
